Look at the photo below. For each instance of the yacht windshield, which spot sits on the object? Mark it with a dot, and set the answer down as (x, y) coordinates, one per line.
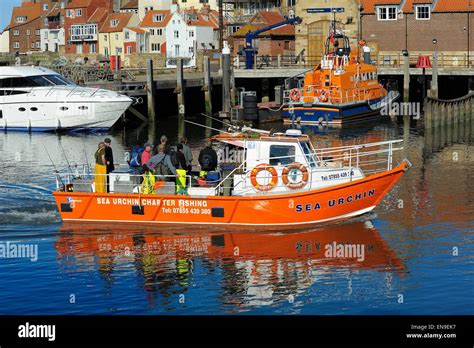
(35, 81)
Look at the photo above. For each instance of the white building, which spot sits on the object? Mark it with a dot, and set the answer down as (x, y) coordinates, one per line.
(149, 5)
(5, 41)
(52, 39)
(186, 33)
(154, 23)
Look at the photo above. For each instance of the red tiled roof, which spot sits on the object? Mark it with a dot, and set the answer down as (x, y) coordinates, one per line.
(30, 10)
(148, 19)
(454, 5)
(123, 19)
(78, 4)
(137, 30)
(132, 4)
(98, 15)
(369, 5)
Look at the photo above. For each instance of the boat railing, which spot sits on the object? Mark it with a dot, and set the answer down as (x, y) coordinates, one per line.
(368, 158)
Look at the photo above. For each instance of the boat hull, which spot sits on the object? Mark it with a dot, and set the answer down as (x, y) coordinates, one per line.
(302, 209)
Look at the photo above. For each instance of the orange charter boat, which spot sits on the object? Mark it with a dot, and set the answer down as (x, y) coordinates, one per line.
(264, 180)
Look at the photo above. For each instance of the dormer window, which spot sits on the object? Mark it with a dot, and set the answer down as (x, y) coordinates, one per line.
(45, 7)
(158, 18)
(20, 19)
(422, 12)
(78, 12)
(387, 13)
(114, 22)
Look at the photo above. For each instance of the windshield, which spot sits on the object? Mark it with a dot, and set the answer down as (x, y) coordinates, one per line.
(35, 81)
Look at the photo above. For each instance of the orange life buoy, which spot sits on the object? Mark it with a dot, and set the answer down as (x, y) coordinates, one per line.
(258, 169)
(295, 94)
(298, 166)
(323, 96)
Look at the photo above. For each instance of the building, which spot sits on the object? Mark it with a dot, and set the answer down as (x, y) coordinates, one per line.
(111, 34)
(279, 41)
(390, 26)
(311, 34)
(135, 40)
(25, 28)
(83, 18)
(154, 23)
(5, 40)
(187, 32)
(52, 32)
(129, 6)
(189, 4)
(149, 5)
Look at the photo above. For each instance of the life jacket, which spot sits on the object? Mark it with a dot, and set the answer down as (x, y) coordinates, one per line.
(148, 185)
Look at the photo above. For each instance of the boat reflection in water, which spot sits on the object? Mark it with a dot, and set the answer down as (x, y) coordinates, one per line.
(243, 269)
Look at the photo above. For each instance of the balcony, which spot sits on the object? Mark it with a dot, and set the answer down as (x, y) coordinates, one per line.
(54, 25)
(83, 32)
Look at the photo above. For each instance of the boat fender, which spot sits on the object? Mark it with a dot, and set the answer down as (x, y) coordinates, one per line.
(295, 95)
(258, 169)
(300, 167)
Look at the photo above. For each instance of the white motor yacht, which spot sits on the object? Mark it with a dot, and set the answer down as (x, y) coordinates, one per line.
(40, 99)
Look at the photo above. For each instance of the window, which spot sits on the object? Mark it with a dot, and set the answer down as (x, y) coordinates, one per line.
(20, 19)
(32, 45)
(127, 35)
(55, 35)
(28, 32)
(191, 50)
(16, 32)
(69, 13)
(203, 1)
(45, 7)
(422, 12)
(93, 48)
(34, 109)
(22, 109)
(78, 12)
(148, 9)
(387, 13)
(176, 34)
(83, 107)
(282, 154)
(158, 18)
(63, 4)
(46, 21)
(129, 49)
(38, 32)
(191, 33)
(38, 44)
(114, 22)
(155, 47)
(159, 32)
(291, 3)
(16, 45)
(116, 37)
(176, 50)
(63, 108)
(152, 32)
(105, 37)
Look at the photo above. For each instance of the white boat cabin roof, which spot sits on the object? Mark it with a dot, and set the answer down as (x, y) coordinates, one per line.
(24, 71)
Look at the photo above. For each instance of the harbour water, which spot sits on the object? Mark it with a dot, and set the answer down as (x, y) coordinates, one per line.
(413, 255)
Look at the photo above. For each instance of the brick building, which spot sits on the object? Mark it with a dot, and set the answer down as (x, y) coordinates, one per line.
(396, 25)
(25, 28)
(82, 22)
(279, 41)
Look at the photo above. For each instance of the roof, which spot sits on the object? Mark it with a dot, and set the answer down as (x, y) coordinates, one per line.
(30, 10)
(137, 30)
(132, 4)
(439, 5)
(263, 19)
(148, 19)
(78, 4)
(98, 15)
(123, 19)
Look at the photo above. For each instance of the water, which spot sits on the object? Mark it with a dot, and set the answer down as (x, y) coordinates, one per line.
(418, 245)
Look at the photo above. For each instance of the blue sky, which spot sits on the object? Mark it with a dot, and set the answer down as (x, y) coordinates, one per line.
(6, 11)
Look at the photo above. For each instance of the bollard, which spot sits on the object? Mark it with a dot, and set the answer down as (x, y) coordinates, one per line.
(406, 78)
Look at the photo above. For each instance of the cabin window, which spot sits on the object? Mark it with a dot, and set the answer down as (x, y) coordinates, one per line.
(83, 107)
(22, 109)
(33, 109)
(1, 114)
(282, 154)
(308, 153)
(63, 108)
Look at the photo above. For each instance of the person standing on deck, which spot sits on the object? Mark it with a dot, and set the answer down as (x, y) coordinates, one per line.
(109, 158)
(188, 154)
(146, 154)
(100, 169)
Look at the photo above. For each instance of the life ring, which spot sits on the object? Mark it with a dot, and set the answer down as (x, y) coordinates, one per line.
(298, 166)
(295, 95)
(323, 96)
(258, 169)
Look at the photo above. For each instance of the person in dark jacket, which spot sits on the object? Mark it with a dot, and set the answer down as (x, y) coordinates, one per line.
(182, 163)
(109, 159)
(208, 158)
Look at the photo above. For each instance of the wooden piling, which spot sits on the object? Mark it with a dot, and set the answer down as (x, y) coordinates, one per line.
(434, 76)
(406, 79)
(207, 88)
(180, 89)
(428, 113)
(151, 106)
